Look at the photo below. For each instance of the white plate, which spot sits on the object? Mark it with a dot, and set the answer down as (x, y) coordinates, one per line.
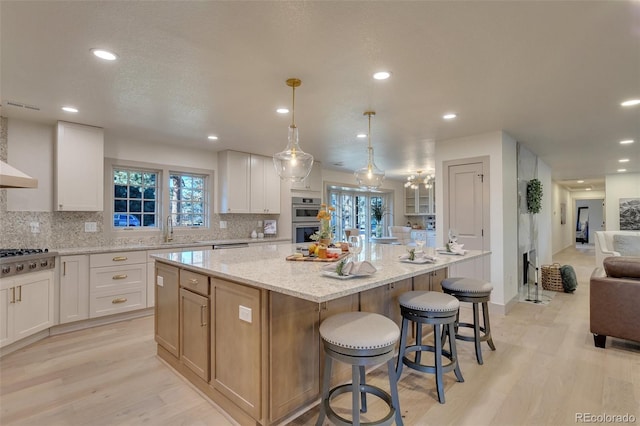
(335, 275)
(419, 260)
(451, 253)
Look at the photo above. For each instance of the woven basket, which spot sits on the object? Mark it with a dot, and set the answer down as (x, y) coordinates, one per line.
(551, 277)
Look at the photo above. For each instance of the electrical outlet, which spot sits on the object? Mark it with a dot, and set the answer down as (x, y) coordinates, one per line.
(245, 314)
(160, 281)
(90, 227)
(223, 224)
(259, 224)
(35, 227)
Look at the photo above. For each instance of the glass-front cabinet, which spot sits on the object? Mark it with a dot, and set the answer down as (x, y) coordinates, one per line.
(419, 201)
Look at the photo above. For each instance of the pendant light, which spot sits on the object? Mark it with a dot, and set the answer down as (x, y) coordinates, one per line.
(369, 177)
(293, 164)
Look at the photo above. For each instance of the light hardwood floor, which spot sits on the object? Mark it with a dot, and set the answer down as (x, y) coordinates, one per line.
(545, 370)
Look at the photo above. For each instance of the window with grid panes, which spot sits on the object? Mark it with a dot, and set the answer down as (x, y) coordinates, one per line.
(135, 200)
(187, 199)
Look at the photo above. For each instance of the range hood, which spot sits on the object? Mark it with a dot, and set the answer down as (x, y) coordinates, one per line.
(10, 177)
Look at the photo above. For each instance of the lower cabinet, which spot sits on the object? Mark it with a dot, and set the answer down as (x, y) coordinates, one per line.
(74, 288)
(238, 365)
(194, 332)
(431, 281)
(167, 317)
(26, 306)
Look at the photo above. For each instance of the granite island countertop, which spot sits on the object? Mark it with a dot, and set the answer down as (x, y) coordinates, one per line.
(264, 266)
(164, 246)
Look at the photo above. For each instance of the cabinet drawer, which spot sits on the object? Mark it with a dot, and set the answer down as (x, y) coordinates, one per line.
(197, 283)
(114, 302)
(119, 258)
(117, 277)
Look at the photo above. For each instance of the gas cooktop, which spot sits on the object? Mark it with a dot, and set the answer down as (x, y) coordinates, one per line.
(21, 261)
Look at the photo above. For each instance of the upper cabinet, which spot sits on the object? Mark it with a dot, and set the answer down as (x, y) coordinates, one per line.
(313, 182)
(248, 183)
(419, 201)
(79, 168)
(234, 181)
(265, 186)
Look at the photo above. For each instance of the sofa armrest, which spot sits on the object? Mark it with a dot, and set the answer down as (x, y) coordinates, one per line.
(614, 306)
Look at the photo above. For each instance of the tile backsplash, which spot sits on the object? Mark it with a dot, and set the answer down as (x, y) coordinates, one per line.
(66, 229)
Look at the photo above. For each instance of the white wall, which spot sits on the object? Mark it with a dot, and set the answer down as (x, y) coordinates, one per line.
(562, 234)
(623, 185)
(545, 218)
(501, 149)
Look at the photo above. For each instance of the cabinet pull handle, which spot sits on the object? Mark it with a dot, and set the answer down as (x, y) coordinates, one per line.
(119, 277)
(120, 258)
(193, 281)
(64, 269)
(13, 295)
(203, 317)
(19, 294)
(119, 300)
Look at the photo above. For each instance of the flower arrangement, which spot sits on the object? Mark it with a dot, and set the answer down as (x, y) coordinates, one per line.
(324, 216)
(378, 210)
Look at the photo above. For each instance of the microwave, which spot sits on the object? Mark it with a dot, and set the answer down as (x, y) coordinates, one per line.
(304, 209)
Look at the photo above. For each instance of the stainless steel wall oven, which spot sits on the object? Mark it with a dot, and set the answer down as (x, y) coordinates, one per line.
(302, 231)
(304, 212)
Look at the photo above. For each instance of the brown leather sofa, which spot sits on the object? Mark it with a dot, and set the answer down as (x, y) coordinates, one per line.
(615, 300)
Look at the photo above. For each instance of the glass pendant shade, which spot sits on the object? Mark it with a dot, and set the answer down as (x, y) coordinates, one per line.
(293, 164)
(370, 176)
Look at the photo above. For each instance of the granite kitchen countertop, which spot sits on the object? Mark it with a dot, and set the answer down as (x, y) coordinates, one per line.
(165, 246)
(265, 266)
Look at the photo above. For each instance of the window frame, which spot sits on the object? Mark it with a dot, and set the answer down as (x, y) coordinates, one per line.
(338, 192)
(162, 198)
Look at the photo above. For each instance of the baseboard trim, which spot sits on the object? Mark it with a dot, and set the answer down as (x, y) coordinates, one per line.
(96, 322)
(504, 309)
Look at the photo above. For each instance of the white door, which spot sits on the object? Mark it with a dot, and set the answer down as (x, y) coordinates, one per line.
(467, 209)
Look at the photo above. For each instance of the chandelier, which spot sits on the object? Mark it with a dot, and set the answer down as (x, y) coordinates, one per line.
(370, 176)
(293, 164)
(414, 181)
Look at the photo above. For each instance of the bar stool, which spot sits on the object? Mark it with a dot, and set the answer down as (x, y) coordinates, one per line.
(476, 292)
(438, 309)
(359, 339)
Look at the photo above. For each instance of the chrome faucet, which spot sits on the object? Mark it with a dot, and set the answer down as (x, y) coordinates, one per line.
(169, 231)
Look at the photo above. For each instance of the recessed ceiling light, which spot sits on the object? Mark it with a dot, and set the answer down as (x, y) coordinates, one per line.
(212, 137)
(588, 189)
(361, 135)
(69, 109)
(626, 142)
(104, 54)
(449, 116)
(622, 170)
(631, 102)
(580, 181)
(382, 75)
(623, 160)
(282, 110)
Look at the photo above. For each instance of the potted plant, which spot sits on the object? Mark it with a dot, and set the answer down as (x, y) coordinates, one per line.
(325, 234)
(378, 210)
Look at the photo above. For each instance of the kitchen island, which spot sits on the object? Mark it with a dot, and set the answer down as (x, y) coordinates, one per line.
(242, 325)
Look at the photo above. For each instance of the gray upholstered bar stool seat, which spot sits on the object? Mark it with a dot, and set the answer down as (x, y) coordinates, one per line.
(476, 292)
(359, 339)
(439, 310)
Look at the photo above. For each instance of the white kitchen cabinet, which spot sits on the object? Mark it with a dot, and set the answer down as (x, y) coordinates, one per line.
(79, 168)
(74, 288)
(26, 305)
(265, 186)
(419, 201)
(313, 182)
(117, 282)
(234, 181)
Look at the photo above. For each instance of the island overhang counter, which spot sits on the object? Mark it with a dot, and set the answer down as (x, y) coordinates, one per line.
(242, 325)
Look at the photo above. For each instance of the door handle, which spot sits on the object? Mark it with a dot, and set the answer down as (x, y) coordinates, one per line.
(19, 294)
(13, 295)
(203, 316)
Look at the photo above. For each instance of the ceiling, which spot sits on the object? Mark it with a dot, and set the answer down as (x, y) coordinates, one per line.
(551, 74)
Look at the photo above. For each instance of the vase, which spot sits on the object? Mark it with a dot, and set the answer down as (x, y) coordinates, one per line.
(379, 230)
(325, 241)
